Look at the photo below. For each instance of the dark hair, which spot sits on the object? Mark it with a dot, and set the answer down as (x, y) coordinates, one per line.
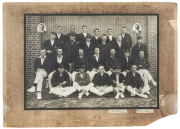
(101, 65)
(139, 37)
(96, 29)
(59, 27)
(104, 35)
(141, 50)
(60, 66)
(43, 48)
(59, 48)
(80, 49)
(72, 25)
(84, 26)
(109, 29)
(54, 33)
(124, 27)
(96, 47)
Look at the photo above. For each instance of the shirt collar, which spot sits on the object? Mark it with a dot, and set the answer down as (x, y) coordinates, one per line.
(61, 57)
(44, 57)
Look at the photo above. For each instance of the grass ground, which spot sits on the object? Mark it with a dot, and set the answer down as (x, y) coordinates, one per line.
(72, 101)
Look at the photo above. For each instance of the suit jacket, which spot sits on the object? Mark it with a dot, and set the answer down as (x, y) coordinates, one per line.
(134, 81)
(95, 41)
(135, 51)
(112, 41)
(82, 39)
(126, 42)
(70, 50)
(126, 64)
(111, 63)
(105, 49)
(93, 63)
(144, 62)
(56, 79)
(60, 40)
(113, 79)
(78, 62)
(99, 80)
(119, 49)
(47, 45)
(88, 51)
(84, 80)
(54, 64)
(45, 65)
(68, 36)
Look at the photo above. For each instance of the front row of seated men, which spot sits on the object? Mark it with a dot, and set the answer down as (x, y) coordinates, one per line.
(99, 82)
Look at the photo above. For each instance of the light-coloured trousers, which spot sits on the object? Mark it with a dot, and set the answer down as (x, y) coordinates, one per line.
(79, 88)
(99, 89)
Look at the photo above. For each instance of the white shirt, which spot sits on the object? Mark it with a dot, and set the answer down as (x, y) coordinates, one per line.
(123, 35)
(119, 43)
(117, 78)
(126, 58)
(88, 44)
(42, 59)
(59, 60)
(85, 34)
(101, 74)
(96, 37)
(97, 57)
(52, 42)
(58, 35)
(110, 37)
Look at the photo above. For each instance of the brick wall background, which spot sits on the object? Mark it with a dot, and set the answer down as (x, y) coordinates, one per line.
(34, 39)
(33, 44)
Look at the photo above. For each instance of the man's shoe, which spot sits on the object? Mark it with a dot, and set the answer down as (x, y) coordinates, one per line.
(154, 83)
(117, 96)
(143, 96)
(80, 95)
(122, 96)
(87, 93)
(32, 89)
(39, 95)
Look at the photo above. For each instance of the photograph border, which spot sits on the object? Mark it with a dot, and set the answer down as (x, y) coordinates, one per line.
(89, 108)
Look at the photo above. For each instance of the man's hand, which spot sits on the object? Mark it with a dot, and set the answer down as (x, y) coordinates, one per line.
(127, 70)
(48, 51)
(94, 69)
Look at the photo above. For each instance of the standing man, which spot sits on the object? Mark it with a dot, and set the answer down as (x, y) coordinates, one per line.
(51, 45)
(82, 82)
(112, 61)
(110, 38)
(88, 47)
(126, 39)
(42, 69)
(134, 83)
(72, 32)
(101, 83)
(137, 48)
(82, 36)
(96, 39)
(60, 83)
(117, 79)
(118, 46)
(60, 37)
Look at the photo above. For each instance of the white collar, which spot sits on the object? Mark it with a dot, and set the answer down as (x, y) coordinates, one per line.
(42, 58)
(119, 42)
(60, 57)
(87, 42)
(84, 33)
(96, 55)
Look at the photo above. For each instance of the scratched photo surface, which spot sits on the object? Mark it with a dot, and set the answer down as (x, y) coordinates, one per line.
(120, 42)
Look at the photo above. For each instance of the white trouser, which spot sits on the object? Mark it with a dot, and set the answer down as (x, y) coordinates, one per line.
(39, 78)
(99, 89)
(66, 91)
(120, 88)
(79, 88)
(146, 72)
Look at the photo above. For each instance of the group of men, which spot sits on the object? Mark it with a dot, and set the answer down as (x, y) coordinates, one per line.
(97, 64)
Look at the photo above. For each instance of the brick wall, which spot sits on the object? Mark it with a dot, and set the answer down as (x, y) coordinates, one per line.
(152, 44)
(33, 44)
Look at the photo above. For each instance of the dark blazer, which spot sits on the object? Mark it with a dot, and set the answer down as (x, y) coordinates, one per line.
(105, 49)
(78, 62)
(70, 50)
(45, 65)
(112, 41)
(134, 81)
(82, 81)
(99, 80)
(144, 62)
(95, 41)
(95, 64)
(88, 51)
(111, 63)
(68, 36)
(60, 40)
(135, 51)
(82, 39)
(55, 64)
(126, 42)
(113, 79)
(47, 45)
(126, 65)
(56, 79)
(119, 50)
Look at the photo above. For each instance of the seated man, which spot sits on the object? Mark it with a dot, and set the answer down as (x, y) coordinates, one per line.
(82, 82)
(60, 83)
(134, 83)
(143, 66)
(101, 82)
(117, 79)
(111, 62)
(42, 69)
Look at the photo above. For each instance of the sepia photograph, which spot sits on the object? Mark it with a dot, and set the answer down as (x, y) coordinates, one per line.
(91, 61)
